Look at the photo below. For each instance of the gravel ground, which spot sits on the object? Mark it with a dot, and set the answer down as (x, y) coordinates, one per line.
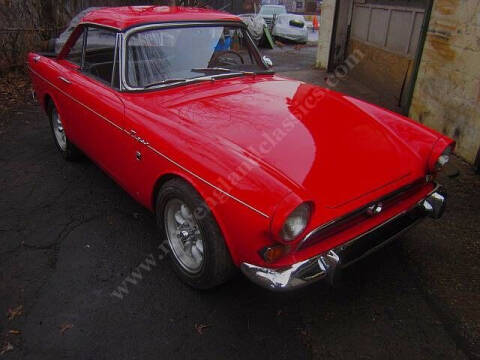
(70, 236)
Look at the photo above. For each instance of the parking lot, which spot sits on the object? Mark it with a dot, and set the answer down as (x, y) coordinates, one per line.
(70, 236)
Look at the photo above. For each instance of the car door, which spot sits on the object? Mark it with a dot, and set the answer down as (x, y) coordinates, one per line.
(99, 108)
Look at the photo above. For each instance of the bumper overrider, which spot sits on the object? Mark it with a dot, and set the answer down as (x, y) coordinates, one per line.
(328, 265)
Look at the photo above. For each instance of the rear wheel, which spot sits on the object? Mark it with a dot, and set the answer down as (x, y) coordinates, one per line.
(66, 148)
(197, 249)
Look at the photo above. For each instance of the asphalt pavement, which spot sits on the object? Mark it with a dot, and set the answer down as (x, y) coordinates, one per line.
(71, 238)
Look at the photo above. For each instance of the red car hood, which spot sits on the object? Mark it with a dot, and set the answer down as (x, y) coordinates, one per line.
(317, 138)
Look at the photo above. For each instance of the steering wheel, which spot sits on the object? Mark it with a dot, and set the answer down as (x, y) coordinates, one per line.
(225, 58)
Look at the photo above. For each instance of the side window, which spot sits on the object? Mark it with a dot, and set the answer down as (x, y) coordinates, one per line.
(75, 54)
(100, 54)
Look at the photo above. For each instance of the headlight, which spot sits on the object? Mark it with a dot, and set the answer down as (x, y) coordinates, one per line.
(443, 159)
(440, 155)
(296, 222)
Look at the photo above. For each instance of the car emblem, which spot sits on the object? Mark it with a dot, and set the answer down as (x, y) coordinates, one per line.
(374, 209)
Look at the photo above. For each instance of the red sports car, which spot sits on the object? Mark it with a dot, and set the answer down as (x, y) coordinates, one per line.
(242, 168)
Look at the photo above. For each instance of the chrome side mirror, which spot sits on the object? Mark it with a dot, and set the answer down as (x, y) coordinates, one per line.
(267, 61)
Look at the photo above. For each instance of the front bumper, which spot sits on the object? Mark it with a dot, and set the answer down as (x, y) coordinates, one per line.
(327, 265)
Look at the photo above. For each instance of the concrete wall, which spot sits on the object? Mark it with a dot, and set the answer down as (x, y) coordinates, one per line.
(447, 91)
(325, 32)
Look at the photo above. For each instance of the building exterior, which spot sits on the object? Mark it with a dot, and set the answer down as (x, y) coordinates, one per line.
(297, 6)
(424, 53)
(447, 89)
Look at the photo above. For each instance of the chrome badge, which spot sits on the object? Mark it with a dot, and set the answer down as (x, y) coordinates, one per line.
(374, 209)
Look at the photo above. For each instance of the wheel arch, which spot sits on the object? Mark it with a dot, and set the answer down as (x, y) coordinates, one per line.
(164, 178)
(48, 99)
(160, 182)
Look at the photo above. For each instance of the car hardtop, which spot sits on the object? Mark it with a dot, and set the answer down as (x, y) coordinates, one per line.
(126, 17)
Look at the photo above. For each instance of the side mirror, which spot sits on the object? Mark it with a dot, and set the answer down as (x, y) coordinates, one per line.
(267, 61)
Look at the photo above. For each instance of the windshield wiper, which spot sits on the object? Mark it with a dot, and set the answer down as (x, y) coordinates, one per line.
(226, 73)
(214, 69)
(163, 82)
(232, 71)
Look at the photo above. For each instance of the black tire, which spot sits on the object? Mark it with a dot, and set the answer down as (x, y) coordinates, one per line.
(217, 265)
(71, 152)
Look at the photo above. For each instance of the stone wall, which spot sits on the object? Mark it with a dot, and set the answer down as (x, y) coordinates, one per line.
(447, 91)
(325, 32)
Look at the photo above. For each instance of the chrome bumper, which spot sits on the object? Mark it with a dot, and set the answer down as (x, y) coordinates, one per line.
(327, 265)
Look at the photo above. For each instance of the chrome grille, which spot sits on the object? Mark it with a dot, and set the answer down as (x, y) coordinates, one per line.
(340, 224)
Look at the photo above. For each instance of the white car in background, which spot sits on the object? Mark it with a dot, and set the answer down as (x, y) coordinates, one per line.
(271, 12)
(290, 27)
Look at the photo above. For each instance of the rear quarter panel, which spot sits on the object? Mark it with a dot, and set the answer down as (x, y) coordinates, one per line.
(41, 70)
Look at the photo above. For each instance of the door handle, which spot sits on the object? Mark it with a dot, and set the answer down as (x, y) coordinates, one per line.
(66, 81)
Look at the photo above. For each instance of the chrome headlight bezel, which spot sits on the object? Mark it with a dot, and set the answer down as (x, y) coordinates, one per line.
(443, 159)
(440, 155)
(296, 222)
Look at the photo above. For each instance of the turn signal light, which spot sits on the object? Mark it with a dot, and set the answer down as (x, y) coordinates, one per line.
(273, 253)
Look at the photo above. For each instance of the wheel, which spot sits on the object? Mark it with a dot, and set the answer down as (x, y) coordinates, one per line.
(197, 249)
(66, 148)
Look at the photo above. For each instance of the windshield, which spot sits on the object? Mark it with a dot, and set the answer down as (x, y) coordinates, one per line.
(272, 10)
(166, 55)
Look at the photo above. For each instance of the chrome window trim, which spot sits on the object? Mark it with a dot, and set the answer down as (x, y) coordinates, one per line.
(120, 62)
(140, 28)
(84, 48)
(256, 49)
(115, 55)
(83, 37)
(88, 23)
(84, 52)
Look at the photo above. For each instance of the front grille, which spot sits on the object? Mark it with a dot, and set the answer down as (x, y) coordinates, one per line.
(368, 242)
(358, 216)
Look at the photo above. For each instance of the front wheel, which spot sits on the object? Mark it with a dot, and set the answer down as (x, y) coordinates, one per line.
(197, 249)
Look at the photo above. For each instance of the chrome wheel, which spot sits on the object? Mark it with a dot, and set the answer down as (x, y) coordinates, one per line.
(184, 236)
(58, 130)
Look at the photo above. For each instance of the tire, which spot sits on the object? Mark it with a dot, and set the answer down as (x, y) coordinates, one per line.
(68, 150)
(216, 266)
